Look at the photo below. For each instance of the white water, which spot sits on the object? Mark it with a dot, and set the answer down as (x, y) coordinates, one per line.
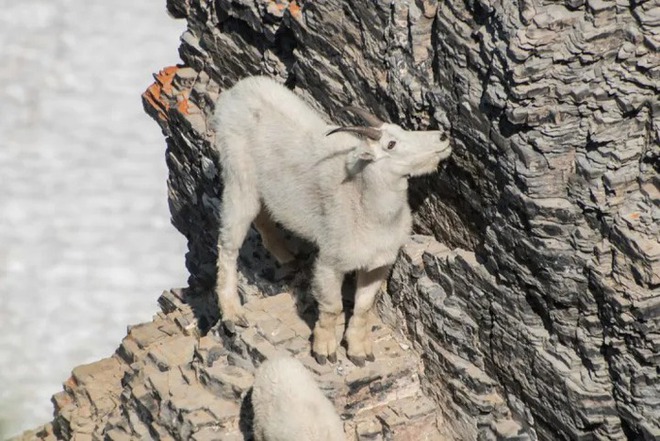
(86, 246)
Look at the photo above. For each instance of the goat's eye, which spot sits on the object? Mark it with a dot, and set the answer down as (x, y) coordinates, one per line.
(444, 136)
(391, 145)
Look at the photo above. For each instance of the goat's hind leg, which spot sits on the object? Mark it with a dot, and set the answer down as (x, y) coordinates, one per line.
(272, 238)
(358, 337)
(326, 287)
(239, 208)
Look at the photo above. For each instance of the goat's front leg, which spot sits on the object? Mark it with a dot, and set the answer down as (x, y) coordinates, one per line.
(326, 288)
(358, 337)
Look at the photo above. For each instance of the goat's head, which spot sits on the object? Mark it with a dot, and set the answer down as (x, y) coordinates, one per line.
(395, 150)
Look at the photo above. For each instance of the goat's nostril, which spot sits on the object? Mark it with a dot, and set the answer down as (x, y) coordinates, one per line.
(444, 136)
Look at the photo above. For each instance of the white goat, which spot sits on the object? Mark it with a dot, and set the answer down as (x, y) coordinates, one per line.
(288, 405)
(343, 188)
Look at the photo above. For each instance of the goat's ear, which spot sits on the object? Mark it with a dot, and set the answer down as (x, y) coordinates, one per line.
(362, 154)
(366, 151)
(358, 158)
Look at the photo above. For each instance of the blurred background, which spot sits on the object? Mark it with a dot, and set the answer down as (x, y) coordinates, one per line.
(86, 245)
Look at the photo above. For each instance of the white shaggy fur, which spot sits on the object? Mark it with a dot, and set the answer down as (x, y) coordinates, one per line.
(345, 193)
(288, 405)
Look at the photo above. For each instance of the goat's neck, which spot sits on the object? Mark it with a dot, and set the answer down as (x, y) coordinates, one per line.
(383, 195)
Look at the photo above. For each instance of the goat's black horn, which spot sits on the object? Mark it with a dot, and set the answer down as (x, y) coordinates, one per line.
(369, 132)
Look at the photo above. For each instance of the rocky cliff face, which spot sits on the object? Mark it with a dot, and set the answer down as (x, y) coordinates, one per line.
(547, 305)
(532, 287)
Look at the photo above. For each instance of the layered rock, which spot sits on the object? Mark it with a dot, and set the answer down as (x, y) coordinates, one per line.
(168, 382)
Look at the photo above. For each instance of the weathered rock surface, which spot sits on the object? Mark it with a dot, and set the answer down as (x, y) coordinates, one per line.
(532, 289)
(167, 382)
(543, 302)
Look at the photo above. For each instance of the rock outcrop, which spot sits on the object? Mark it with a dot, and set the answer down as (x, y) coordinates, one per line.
(532, 287)
(168, 382)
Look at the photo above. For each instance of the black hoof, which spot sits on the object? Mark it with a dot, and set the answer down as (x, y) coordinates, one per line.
(332, 358)
(321, 359)
(371, 358)
(357, 361)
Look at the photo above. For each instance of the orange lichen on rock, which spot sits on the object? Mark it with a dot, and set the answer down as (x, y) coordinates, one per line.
(295, 10)
(278, 7)
(182, 104)
(163, 86)
(165, 77)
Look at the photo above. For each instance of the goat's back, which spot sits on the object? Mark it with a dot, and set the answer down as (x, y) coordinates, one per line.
(260, 121)
(261, 102)
(288, 404)
(272, 143)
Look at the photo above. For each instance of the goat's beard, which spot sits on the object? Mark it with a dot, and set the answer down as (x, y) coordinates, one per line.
(427, 165)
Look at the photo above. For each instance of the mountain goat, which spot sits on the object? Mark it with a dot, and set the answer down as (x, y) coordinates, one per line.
(342, 188)
(288, 405)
